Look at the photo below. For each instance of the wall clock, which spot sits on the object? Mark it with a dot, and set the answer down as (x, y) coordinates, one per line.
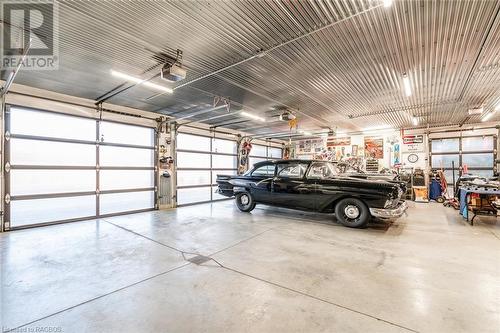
(413, 158)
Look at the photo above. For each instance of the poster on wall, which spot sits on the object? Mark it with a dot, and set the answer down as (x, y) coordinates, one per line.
(374, 147)
(333, 141)
(413, 143)
(354, 150)
(412, 139)
(397, 155)
(310, 146)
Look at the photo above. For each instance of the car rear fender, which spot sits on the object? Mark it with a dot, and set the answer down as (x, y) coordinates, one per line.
(240, 189)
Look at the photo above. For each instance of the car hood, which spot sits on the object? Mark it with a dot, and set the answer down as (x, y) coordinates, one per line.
(370, 183)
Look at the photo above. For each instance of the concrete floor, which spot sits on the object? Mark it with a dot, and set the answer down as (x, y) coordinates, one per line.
(273, 270)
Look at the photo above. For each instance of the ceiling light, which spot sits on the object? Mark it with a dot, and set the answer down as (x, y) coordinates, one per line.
(252, 116)
(497, 108)
(141, 81)
(414, 121)
(407, 85)
(126, 77)
(475, 111)
(158, 87)
(388, 3)
(488, 116)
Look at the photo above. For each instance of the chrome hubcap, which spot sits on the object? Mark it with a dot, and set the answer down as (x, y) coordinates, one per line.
(351, 212)
(244, 199)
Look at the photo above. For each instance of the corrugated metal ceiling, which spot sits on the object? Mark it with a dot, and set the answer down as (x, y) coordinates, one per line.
(346, 75)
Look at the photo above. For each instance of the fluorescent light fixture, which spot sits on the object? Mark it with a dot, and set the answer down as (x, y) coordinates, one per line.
(414, 121)
(488, 116)
(158, 87)
(388, 3)
(305, 132)
(252, 116)
(126, 77)
(141, 82)
(407, 85)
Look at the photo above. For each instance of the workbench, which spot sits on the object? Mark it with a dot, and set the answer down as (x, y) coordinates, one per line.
(466, 207)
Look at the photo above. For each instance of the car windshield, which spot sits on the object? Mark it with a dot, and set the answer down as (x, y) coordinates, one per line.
(321, 170)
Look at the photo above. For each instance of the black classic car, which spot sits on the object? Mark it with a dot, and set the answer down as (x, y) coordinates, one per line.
(315, 186)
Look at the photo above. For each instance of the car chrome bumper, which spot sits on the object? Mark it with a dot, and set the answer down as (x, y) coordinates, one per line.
(391, 212)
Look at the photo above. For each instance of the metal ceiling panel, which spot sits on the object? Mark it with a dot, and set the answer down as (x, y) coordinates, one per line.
(336, 63)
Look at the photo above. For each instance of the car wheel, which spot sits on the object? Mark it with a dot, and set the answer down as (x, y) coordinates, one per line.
(352, 213)
(245, 202)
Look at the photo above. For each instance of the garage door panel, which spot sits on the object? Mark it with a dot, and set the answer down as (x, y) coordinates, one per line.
(275, 152)
(193, 142)
(126, 157)
(28, 182)
(223, 162)
(478, 153)
(481, 173)
(34, 152)
(26, 212)
(54, 167)
(445, 145)
(478, 160)
(224, 146)
(112, 203)
(125, 179)
(27, 122)
(193, 177)
(126, 134)
(444, 161)
(193, 160)
(192, 195)
(481, 143)
(258, 150)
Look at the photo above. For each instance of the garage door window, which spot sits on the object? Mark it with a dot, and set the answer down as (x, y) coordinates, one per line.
(199, 160)
(66, 168)
(260, 153)
(477, 153)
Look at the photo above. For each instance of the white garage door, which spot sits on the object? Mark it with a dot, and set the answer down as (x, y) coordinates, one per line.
(261, 153)
(65, 168)
(199, 160)
(478, 153)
